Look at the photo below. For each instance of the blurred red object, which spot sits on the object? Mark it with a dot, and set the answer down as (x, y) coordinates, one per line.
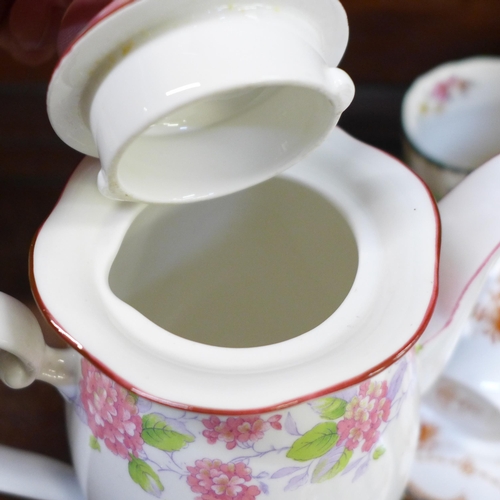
(34, 31)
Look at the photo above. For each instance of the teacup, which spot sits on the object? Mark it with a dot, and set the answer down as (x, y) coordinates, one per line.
(451, 118)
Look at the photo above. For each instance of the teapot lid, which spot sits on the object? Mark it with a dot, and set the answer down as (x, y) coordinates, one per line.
(194, 100)
(395, 224)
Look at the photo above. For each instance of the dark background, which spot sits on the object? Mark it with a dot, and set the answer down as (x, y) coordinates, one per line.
(391, 42)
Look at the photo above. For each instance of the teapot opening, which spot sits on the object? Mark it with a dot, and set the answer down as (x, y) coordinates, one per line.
(253, 268)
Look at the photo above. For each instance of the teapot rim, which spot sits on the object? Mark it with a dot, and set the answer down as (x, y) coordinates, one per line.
(338, 144)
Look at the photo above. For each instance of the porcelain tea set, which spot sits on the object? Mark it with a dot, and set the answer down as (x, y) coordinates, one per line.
(254, 301)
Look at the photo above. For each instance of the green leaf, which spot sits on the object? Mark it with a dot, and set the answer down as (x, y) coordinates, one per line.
(142, 474)
(379, 451)
(94, 444)
(331, 408)
(314, 443)
(157, 432)
(337, 468)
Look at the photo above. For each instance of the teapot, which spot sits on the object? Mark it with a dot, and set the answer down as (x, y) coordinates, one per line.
(331, 270)
(272, 338)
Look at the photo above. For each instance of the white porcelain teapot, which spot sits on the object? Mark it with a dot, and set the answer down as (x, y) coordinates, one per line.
(273, 342)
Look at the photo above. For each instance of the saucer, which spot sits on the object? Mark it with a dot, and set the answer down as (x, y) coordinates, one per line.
(451, 465)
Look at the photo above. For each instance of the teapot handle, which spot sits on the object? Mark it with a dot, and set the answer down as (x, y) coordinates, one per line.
(24, 357)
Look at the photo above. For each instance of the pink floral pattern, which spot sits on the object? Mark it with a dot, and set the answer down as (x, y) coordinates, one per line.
(445, 90)
(243, 430)
(364, 415)
(215, 480)
(346, 427)
(112, 414)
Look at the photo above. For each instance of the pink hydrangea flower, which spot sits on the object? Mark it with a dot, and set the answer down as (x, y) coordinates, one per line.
(245, 430)
(363, 416)
(215, 480)
(112, 412)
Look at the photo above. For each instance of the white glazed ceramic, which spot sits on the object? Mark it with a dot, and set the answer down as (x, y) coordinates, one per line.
(193, 100)
(199, 396)
(451, 118)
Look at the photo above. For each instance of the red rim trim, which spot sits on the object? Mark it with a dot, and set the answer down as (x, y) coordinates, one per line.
(114, 6)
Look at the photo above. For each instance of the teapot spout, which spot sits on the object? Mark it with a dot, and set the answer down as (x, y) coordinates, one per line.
(470, 245)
